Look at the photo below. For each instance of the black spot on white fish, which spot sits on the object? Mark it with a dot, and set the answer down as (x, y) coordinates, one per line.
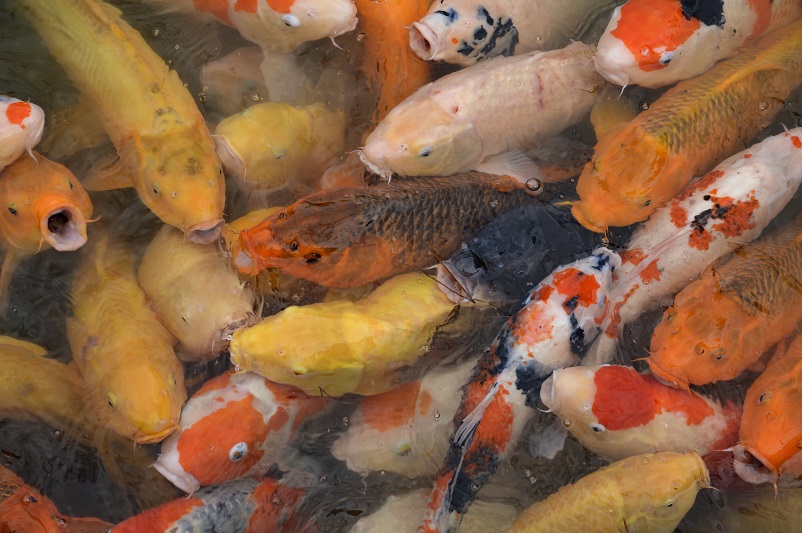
(449, 13)
(570, 304)
(601, 261)
(529, 379)
(502, 41)
(465, 49)
(483, 13)
(578, 345)
(709, 12)
(479, 34)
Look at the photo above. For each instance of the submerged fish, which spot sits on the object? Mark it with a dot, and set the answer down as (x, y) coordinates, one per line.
(649, 492)
(761, 510)
(659, 42)
(404, 430)
(164, 148)
(725, 208)
(133, 381)
(355, 236)
(722, 324)
(559, 318)
(246, 505)
(464, 32)
(21, 126)
(481, 117)
(771, 429)
(235, 425)
(42, 204)
(639, 166)
(343, 347)
(616, 412)
(194, 294)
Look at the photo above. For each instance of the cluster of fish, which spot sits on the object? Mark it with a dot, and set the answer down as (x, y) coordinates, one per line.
(359, 232)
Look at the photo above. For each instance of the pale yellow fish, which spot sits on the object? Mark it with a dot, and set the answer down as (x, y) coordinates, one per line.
(194, 293)
(165, 150)
(343, 347)
(134, 382)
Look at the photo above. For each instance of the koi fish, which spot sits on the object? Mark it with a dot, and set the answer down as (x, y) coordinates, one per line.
(355, 236)
(768, 447)
(650, 492)
(404, 430)
(560, 317)
(616, 413)
(133, 380)
(480, 119)
(42, 204)
(639, 166)
(235, 425)
(727, 207)
(24, 509)
(345, 347)
(653, 43)
(722, 324)
(465, 32)
(21, 126)
(165, 151)
(247, 505)
(194, 293)
(271, 145)
(393, 70)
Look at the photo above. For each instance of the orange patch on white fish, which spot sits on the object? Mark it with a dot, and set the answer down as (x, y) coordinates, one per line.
(247, 6)
(16, 112)
(280, 6)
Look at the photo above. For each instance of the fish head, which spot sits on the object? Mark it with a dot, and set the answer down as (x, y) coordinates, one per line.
(21, 127)
(656, 43)
(42, 201)
(143, 403)
(421, 140)
(701, 338)
(223, 430)
(180, 179)
(444, 31)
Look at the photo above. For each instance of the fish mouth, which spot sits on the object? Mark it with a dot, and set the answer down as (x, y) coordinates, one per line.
(373, 167)
(547, 392)
(580, 217)
(181, 479)
(63, 227)
(423, 41)
(152, 438)
(665, 377)
(205, 232)
(223, 336)
(752, 467)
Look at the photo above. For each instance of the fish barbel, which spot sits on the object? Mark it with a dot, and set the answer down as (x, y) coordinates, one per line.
(639, 166)
(165, 150)
(355, 236)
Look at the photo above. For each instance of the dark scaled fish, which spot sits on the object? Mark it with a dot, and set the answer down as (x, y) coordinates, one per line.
(355, 236)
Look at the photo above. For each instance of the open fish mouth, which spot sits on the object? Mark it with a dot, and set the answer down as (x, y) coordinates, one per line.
(423, 41)
(205, 232)
(752, 467)
(64, 228)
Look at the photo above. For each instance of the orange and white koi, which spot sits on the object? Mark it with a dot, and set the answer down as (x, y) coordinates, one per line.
(560, 317)
(247, 505)
(769, 440)
(21, 126)
(465, 32)
(236, 425)
(616, 412)
(405, 430)
(728, 206)
(640, 165)
(653, 43)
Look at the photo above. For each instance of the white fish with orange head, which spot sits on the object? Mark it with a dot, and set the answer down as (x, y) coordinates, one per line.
(21, 126)
(653, 43)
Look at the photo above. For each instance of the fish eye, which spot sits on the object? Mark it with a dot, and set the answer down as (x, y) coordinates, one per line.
(647, 203)
(666, 57)
(699, 349)
(426, 151)
(12, 211)
(312, 257)
(112, 400)
(282, 215)
(598, 428)
(238, 451)
(291, 21)
(669, 503)
(219, 171)
(293, 246)
(671, 314)
(763, 397)
(172, 379)
(71, 185)
(156, 189)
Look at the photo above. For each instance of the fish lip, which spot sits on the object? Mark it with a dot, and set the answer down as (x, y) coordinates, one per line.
(152, 438)
(586, 222)
(665, 378)
(752, 467)
(184, 481)
(547, 392)
(423, 41)
(70, 233)
(238, 321)
(205, 232)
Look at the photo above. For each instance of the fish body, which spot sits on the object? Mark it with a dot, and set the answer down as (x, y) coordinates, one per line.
(343, 347)
(195, 294)
(465, 32)
(768, 445)
(723, 323)
(165, 150)
(133, 380)
(560, 316)
(404, 430)
(725, 208)
(653, 43)
(235, 425)
(468, 118)
(246, 505)
(616, 412)
(272, 145)
(21, 126)
(355, 236)
(640, 165)
(761, 510)
(649, 492)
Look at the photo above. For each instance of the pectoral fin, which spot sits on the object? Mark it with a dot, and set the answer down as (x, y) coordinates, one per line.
(742, 73)
(113, 173)
(609, 111)
(515, 164)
